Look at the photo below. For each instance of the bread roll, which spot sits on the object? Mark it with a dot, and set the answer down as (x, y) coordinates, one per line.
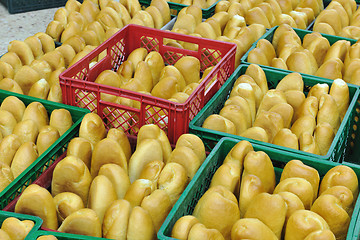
(17, 229)
(256, 133)
(328, 112)
(270, 209)
(296, 168)
(139, 189)
(295, 98)
(23, 158)
(8, 147)
(293, 203)
(183, 226)
(340, 92)
(200, 231)
(300, 187)
(302, 61)
(81, 148)
(15, 106)
(237, 153)
(13, 59)
(286, 138)
(317, 45)
(7, 71)
(101, 195)
(329, 207)
(47, 137)
(71, 175)
(324, 135)
(338, 50)
(251, 185)
(22, 50)
(152, 131)
(321, 234)
(345, 196)
(340, 176)
(173, 180)
(38, 113)
(37, 201)
(270, 99)
(47, 237)
(61, 120)
(308, 144)
(9, 84)
(140, 225)
(82, 222)
(308, 107)
(186, 157)
(119, 136)
(67, 203)
(292, 81)
(271, 122)
(304, 124)
(27, 131)
(116, 220)
(251, 228)
(318, 90)
(4, 235)
(152, 170)
(221, 218)
(7, 122)
(92, 128)
(241, 103)
(40, 89)
(219, 123)
(228, 176)
(115, 154)
(6, 176)
(158, 205)
(246, 91)
(303, 222)
(117, 176)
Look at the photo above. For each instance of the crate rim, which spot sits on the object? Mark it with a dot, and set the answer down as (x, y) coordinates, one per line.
(196, 128)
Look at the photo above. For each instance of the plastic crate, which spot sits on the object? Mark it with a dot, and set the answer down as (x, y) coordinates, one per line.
(340, 148)
(301, 33)
(176, 7)
(201, 181)
(79, 89)
(15, 188)
(37, 221)
(19, 6)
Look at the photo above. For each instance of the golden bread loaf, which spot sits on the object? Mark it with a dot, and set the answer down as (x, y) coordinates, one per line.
(67, 203)
(37, 201)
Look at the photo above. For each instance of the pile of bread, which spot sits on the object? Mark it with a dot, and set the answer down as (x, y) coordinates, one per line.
(13, 228)
(103, 189)
(312, 55)
(32, 67)
(93, 21)
(283, 116)
(204, 4)
(296, 13)
(243, 201)
(339, 18)
(221, 26)
(25, 133)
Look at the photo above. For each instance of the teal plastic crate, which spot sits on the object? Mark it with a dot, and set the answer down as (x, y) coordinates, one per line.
(20, 6)
(37, 221)
(206, 12)
(301, 33)
(29, 175)
(62, 236)
(201, 181)
(340, 149)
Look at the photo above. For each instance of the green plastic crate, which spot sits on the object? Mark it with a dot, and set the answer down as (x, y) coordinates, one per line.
(301, 33)
(206, 12)
(37, 221)
(339, 149)
(202, 179)
(62, 236)
(15, 188)
(20, 6)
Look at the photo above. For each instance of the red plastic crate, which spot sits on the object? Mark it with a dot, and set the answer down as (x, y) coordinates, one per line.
(79, 89)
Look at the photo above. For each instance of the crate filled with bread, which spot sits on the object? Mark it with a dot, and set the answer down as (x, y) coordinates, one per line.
(133, 79)
(245, 191)
(307, 52)
(18, 226)
(286, 111)
(110, 185)
(34, 133)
